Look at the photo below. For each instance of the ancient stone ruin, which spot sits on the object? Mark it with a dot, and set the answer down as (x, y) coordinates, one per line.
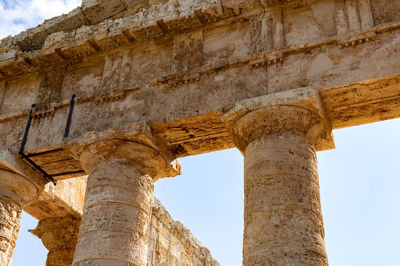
(117, 90)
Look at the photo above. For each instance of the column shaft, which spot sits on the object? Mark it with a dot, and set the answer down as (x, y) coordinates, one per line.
(10, 216)
(116, 215)
(15, 191)
(279, 134)
(283, 220)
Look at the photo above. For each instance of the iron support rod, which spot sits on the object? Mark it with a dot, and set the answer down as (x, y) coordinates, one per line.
(68, 173)
(30, 155)
(28, 126)
(71, 109)
(37, 167)
(25, 157)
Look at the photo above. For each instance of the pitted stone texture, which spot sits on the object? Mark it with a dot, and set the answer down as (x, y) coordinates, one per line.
(16, 187)
(282, 213)
(274, 120)
(59, 235)
(15, 192)
(116, 215)
(99, 10)
(283, 219)
(170, 243)
(10, 216)
(134, 142)
(146, 158)
(298, 110)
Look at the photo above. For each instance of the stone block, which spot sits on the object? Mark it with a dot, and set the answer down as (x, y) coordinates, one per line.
(66, 22)
(133, 3)
(99, 10)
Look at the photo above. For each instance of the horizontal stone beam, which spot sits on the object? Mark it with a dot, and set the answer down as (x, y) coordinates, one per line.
(87, 31)
(184, 110)
(349, 105)
(181, 85)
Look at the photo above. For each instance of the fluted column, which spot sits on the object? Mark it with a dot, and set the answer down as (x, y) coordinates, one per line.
(10, 216)
(15, 191)
(118, 202)
(278, 136)
(59, 235)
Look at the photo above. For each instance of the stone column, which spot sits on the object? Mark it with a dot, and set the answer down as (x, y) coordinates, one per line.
(282, 213)
(59, 235)
(118, 202)
(15, 191)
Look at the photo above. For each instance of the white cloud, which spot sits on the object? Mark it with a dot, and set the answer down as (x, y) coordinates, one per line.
(18, 15)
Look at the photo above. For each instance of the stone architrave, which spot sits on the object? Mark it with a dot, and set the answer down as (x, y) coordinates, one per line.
(279, 135)
(15, 191)
(122, 166)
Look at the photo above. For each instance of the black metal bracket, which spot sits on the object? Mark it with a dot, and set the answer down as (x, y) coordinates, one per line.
(27, 157)
(37, 167)
(71, 109)
(28, 126)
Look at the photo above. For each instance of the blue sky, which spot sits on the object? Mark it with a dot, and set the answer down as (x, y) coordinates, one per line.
(17, 15)
(359, 180)
(360, 197)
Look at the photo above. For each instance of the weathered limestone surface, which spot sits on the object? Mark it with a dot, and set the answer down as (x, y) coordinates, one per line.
(15, 192)
(278, 135)
(205, 56)
(116, 215)
(170, 243)
(205, 76)
(59, 210)
(119, 194)
(282, 204)
(10, 216)
(59, 235)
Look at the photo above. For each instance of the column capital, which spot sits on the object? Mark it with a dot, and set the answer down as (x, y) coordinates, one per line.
(133, 143)
(59, 235)
(298, 111)
(15, 192)
(17, 187)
